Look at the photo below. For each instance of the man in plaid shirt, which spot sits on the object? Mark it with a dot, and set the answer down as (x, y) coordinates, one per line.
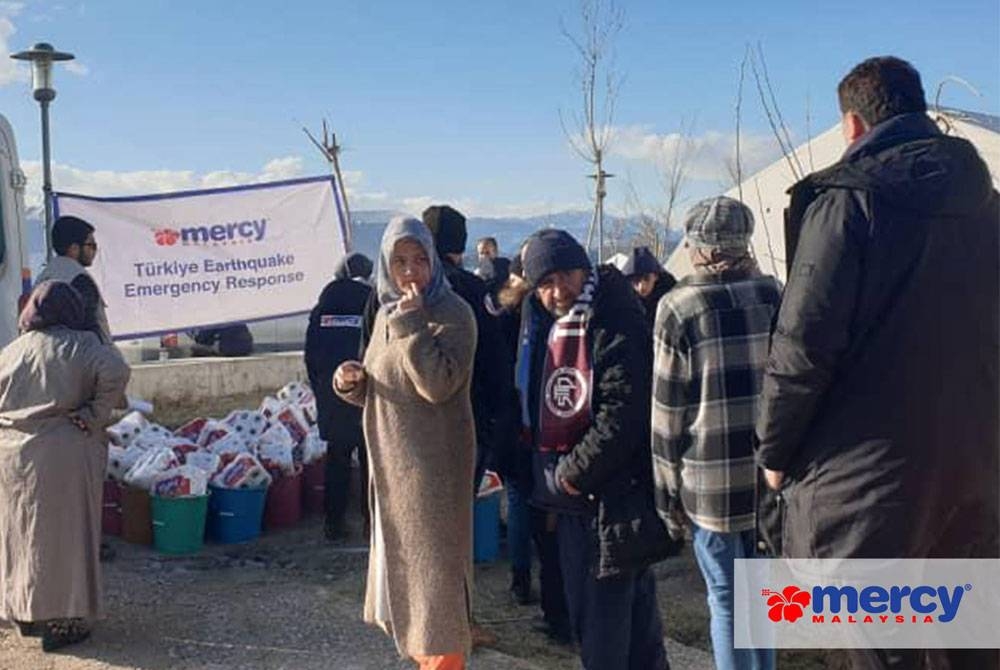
(710, 348)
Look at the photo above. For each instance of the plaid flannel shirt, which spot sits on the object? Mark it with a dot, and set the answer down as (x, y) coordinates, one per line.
(711, 344)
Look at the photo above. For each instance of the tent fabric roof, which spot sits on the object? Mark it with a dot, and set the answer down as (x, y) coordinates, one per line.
(765, 191)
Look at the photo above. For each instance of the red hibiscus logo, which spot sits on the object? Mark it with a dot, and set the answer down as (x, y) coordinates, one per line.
(787, 605)
(166, 237)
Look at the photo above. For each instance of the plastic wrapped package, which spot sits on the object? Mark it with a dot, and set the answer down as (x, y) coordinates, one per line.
(213, 431)
(313, 447)
(244, 472)
(248, 423)
(293, 392)
(277, 458)
(206, 461)
(294, 421)
(270, 406)
(192, 429)
(130, 427)
(182, 448)
(185, 480)
(152, 463)
(230, 444)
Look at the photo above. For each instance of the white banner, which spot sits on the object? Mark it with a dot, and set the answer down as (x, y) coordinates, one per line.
(867, 603)
(180, 261)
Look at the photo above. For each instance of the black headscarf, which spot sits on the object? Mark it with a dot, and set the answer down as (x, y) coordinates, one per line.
(52, 303)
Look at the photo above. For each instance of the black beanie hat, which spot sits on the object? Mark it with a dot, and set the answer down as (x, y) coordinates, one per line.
(447, 225)
(355, 266)
(641, 261)
(551, 251)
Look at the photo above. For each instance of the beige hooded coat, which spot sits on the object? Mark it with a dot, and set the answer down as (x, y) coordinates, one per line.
(51, 472)
(421, 450)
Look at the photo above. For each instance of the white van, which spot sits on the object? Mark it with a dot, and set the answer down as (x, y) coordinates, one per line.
(15, 272)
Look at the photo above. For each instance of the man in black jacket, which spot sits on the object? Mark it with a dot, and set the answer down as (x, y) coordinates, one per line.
(584, 376)
(879, 413)
(332, 337)
(649, 279)
(491, 372)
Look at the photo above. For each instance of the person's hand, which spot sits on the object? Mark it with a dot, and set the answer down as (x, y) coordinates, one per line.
(569, 488)
(774, 478)
(412, 299)
(348, 375)
(676, 518)
(79, 423)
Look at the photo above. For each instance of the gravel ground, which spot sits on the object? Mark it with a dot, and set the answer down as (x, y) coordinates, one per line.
(293, 600)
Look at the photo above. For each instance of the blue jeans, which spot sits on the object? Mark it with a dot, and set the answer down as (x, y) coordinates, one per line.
(716, 554)
(518, 527)
(615, 619)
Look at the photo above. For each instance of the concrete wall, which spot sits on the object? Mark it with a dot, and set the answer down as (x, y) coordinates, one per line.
(192, 379)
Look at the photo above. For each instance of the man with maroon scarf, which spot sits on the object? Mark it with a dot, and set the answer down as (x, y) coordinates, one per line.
(584, 378)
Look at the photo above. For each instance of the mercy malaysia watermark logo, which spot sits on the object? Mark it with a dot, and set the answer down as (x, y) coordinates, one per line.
(233, 232)
(870, 604)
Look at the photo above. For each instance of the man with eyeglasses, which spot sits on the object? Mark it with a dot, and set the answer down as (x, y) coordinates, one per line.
(74, 244)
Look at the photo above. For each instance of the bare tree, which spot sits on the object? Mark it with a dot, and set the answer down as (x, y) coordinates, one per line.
(674, 167)
(599, 82)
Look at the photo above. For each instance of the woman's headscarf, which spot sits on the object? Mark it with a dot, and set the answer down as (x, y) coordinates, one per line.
(403, 228)
(52, 303)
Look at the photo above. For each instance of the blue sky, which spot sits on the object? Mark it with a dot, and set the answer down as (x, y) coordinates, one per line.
(449, 100)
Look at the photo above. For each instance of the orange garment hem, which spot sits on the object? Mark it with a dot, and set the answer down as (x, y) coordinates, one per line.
(445, 662)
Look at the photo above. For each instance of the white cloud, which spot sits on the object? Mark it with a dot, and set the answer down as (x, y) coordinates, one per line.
(139, 182)
(71, 179)
(11, 71)
(708, 153)
(77, 68)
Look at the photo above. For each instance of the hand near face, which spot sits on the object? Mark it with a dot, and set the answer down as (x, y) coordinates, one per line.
(348, 375)
(412, 299)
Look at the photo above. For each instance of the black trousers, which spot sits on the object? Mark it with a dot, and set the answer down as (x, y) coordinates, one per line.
(543, 532)
(338, 480)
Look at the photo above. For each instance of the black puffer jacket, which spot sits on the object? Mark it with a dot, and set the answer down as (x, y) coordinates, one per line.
(881, 397)
(612, 465)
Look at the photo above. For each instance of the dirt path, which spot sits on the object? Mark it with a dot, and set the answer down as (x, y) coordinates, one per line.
(292, 600)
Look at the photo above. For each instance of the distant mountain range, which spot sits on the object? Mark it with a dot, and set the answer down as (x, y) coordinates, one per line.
(510, 232)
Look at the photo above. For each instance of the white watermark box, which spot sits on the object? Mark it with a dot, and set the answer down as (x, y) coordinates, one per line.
(867, 603)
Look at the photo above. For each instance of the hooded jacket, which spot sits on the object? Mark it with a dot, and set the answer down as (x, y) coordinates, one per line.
(332, 337)
(611, 465)
(880, 400)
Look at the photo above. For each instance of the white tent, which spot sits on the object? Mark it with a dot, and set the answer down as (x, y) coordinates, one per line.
(765, 192)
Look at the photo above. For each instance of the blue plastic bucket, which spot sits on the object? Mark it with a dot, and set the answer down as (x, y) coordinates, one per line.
(486, 528)
(234, 515)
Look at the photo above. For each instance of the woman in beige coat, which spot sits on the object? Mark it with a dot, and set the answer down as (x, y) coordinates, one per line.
(414, 387)
(58, 385)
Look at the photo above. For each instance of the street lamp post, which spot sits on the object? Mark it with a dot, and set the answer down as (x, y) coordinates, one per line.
(41, 56)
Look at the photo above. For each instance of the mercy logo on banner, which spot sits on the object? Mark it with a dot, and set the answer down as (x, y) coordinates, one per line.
(867, 603)
(180, 261)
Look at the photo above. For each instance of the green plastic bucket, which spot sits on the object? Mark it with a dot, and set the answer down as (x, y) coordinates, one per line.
(179, 524)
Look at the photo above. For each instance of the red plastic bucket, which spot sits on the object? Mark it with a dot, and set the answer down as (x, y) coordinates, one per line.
(111, 511)
(314, 487)
(283, 507)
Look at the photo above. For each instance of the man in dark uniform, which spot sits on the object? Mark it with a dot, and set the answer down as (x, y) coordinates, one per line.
(333, 337)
